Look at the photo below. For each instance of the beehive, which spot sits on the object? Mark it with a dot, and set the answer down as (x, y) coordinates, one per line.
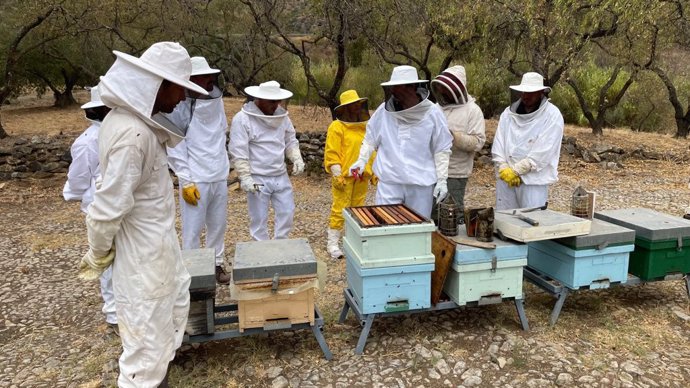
(388, 235)
(594, 260)
(200, 264)
(257, 265)
(662, 241)
(388, 289)
(479, 273)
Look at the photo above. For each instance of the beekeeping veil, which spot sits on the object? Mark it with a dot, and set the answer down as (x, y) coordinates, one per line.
(407, 75)
(132, 83)
(352, 108)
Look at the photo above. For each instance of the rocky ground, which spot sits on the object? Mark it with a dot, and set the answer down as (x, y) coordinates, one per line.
(52, 333)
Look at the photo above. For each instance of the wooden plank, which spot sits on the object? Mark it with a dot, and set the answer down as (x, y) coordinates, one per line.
(399, 216)
(370, 214)
(361, 217)
(390, 215)
(444, 252)
(409, 214)
(388, 219)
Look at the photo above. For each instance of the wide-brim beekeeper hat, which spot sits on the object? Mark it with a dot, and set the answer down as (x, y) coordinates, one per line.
(531, 82)
(268, 91)
(95, 99)
(200, 67)
(403, 75)
(349, 97)
(168, 60)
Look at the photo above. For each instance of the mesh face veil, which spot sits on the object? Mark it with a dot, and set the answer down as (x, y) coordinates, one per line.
(355, 112)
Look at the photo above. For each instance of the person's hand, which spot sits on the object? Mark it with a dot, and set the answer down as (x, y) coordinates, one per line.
(374, 180)
(336, 170)
(357, 166)
(297, 167)
(338, 182)
(440, 191)
(190, 194)
(247, 184)
(91, 267)
(509, 176)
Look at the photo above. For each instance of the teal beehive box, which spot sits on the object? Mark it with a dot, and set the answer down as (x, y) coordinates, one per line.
(594, 260)
(478, 273)
(404, 240)
(388, 289)
(662, 241)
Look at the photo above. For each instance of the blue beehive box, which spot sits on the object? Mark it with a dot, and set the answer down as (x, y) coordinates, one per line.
(388, 289)
(478, 273)
(595, 260)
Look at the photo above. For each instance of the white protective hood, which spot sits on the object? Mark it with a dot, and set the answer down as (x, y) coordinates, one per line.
(411, 115)
(274, 121)
(117, 91)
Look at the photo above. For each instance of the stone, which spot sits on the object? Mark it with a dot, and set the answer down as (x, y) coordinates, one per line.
(632, 368)
(459, 367)
(564, 380)
(442, 366)
(274, 372)
(472, 381)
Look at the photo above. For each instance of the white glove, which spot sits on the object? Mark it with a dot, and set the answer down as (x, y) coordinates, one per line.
(247, 184)
(365, 151)
(296, 158)
(523, 167)
(440, 191)
(91, 267)
(358, 165)
(336, 170)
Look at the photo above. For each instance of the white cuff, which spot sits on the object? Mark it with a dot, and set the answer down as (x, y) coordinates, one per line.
(293, 154)
(242, 167)
(336, 170)
(523, 167)
(441, 160)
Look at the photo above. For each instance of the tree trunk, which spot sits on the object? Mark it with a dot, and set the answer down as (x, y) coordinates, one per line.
(3, 134)
(64, 99)
(682, 127)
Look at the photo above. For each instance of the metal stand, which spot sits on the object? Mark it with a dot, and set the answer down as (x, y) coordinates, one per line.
(316, 328)
(367, 320)
(561, 291)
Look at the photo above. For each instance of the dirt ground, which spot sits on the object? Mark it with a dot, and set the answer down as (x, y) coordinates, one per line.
(52, 332)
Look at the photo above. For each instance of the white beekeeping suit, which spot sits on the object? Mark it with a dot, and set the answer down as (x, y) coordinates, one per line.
(259, 143)
(133, 212)
(201, 164)
(81, 185)
(527, 144)
(413, 146)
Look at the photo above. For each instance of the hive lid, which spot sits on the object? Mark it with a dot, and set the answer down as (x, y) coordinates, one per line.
(647, 223)
(551, 225)
(505, 250)
(200, 264)
(261, 260)
(601, 234)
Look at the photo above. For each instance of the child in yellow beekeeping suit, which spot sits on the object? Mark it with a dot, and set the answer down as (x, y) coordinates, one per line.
(343, 140)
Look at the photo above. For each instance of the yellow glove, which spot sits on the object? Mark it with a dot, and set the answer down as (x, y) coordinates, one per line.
(190, 194)
(374, 180)
(338, 182)
(91, 267)
(509, 176)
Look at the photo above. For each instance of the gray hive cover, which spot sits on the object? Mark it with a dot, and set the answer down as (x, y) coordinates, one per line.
(601, 234)
(201, 265)
(647, 223)
(260, 260)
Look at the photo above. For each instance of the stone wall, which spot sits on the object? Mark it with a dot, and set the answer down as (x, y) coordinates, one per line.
(37, 157)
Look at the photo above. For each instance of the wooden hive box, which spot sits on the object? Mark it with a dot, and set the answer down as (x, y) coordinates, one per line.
(662, 241)
(479, 273)
(594, 260)
(255, 267)
(388, 241)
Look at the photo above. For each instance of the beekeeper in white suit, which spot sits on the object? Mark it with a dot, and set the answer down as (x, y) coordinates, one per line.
(201, 164)
(132, 217)
(411, 136)
(81, 185)
(261, 136)
(527, 146)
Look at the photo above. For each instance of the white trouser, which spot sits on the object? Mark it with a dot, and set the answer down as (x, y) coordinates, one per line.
(160, 324)
(108, 296)
(276, 191)
(211, 211)
(414, 196)
(521, 196)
